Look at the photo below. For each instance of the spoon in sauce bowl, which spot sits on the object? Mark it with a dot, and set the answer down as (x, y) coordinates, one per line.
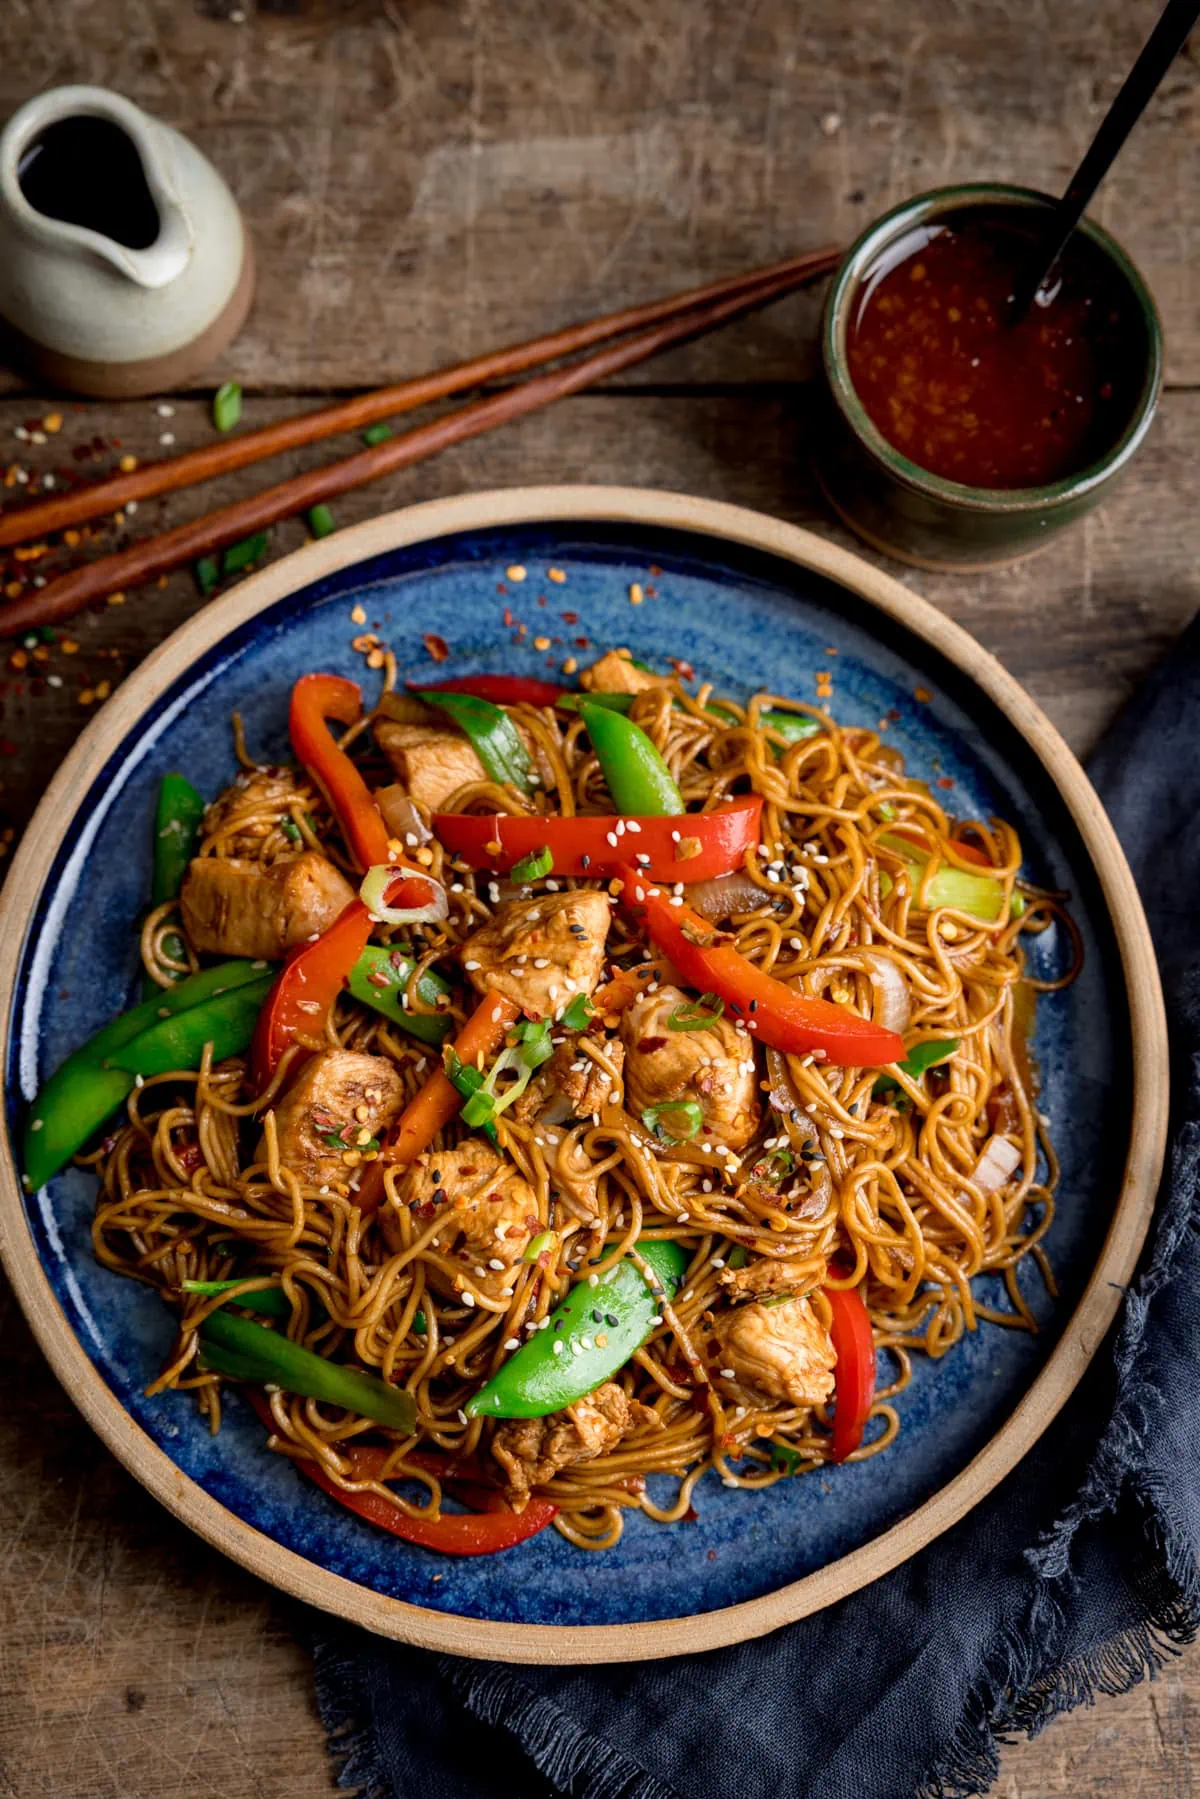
(1040, 282)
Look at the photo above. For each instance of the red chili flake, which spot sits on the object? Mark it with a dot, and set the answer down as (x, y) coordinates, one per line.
(508, 616)
(583, 643)
(522, 630)
(691, 1516)
(651, 591)
(923, 694)
(437, 646)
(943, 781)
(541, 599)
(654, 569)
(189, 1157)
(894, 713)
(710, 1555)
(7, 747)
(569, 618)
(500, 587)
(684, 670)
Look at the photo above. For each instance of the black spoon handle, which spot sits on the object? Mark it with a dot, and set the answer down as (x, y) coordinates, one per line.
(1158, 53)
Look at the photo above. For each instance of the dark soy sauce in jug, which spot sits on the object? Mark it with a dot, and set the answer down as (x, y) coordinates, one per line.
(87, 171)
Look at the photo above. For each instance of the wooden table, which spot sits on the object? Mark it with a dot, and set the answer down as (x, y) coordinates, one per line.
(423, 180)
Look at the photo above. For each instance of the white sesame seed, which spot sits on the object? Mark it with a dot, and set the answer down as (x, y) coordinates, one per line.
(610, 837)
(541, 961)
(37, 1124)
(558, 1346)
(631, 824)
(512, 1343)
(468, 1299)
(593, 1280)
(728, 1374)
(656, 1321)
(495, 1262)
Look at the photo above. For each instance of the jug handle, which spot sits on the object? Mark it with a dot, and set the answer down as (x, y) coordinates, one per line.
(160, 262)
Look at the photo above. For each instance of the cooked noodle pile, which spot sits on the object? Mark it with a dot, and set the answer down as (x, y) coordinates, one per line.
(843, 1179)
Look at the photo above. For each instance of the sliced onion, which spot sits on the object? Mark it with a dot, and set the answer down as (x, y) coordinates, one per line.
(999, 1159)
(401, 815)
(892, 1009)
(379, 880)
(725, 895)
(801, 1130)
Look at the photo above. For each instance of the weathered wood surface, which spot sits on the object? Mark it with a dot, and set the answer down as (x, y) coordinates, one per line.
(423, 180)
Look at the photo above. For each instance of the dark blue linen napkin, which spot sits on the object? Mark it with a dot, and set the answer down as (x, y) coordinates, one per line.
(1075, 1577)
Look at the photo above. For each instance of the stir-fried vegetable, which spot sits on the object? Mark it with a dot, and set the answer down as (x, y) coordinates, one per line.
(493, 736)
(591, 1335)
(980, 895)
(485, 1532)
(692, 846)
(501, 690)
(272, 1302)
(793, 727)
(243, 1350)
(531, 1046)
(535, 866)
(920, 1057)
(678, 1119)
(772, 1012)
(854, 1347)
(637, 777)
(84, 1091)
(177, 817)
(226, 1022)
(380, 979)
(438, 1101)
(306, 988)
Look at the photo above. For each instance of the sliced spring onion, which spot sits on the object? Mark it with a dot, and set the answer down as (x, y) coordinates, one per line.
(245, 554)
(1017, 908)
(577, 1015)
(377, 434)
(480, 1106)
(785, 1459)
(655, 1118)
(696, 1014)
(543, 1241)
(246, 1351)
(321, 521)
(227, 406)
(534, 866)
(374, 890)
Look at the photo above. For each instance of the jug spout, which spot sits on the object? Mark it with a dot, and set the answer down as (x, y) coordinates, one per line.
(88, 172)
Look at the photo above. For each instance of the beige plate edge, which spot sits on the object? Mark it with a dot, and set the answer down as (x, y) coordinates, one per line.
(624, 1642)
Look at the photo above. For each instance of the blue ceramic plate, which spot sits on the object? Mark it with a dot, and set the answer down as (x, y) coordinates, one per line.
(746, 603)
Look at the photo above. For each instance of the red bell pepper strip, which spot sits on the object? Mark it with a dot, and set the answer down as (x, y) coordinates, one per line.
(494, 1526)
(854, 1347)
(772, 1012)
(304, 992)
(438, 1101)
(310, 980)
(316, 698)
(692, 846)
(502, 690)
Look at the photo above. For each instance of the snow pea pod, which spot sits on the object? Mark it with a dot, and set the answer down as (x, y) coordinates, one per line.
(226, 1021)
(83, 1092)
(639, 780)
(591, 1334)
(242, 1350)
(177, 817)
(493, 736)
(379, 979)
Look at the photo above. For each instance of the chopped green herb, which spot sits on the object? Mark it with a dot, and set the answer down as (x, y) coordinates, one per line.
(683, 1111)
(1017, 908)
(533, 866)
(377, 434)
(207, 572)
(290, 829)
(920, 1057)
(738, 1256)
(47, 634)
(227, 406)
(785, 1459)
(420, 1323)
(578, 1013)
(696, 1015)
(543, 1241)
(243, 555)
(886, 811)
(321, 521)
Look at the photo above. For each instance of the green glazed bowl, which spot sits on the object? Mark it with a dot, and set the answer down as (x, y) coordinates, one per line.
(924, 519)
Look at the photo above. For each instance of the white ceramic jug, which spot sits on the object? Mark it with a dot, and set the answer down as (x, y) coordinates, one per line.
(124, 262)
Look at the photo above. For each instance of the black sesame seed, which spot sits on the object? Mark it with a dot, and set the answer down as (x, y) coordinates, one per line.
(611, 1319)
(597, 1317)
(754, 1005)
(558, 1324)
(585, 861)
(439, 1196)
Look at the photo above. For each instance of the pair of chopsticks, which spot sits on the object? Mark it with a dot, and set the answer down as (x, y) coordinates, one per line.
(640, 331)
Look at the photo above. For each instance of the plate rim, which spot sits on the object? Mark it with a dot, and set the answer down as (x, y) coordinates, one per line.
(457, 1633)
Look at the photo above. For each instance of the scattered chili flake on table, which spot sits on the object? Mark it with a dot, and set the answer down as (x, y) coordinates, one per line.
(436, 645)
(943, 781)
(922, 694)
(557, 575)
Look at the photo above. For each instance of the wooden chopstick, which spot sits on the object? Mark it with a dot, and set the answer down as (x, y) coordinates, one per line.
(20, 524)
(154, 556)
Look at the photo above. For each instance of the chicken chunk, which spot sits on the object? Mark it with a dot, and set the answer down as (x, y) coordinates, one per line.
(777, 1353)
(532, 1450)
(252, 809)
(234, 907)
(571, 1084)
(433, 762)
(490, 1214)
(715, 1068)
(617, 672)
(541, 952)
(773, 1274)
(340, 1102)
